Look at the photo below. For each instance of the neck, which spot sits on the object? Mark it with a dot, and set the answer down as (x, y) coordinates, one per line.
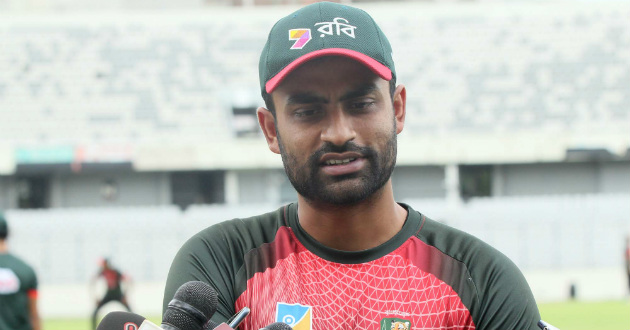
(356, 227)
(4, 248)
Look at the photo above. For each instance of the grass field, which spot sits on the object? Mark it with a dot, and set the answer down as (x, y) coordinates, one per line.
(609, 315)
(572, 315)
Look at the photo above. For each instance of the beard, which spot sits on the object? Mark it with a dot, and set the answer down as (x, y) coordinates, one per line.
(309, 181)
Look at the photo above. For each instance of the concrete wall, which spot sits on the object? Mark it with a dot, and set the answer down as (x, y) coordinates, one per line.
(562, 178)
(419, 182)
(614, 177)
(132, 189)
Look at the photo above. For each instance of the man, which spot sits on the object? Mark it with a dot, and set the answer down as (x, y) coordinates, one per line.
(346, 255)
(627, 260)
(114, 281)
(18, 289)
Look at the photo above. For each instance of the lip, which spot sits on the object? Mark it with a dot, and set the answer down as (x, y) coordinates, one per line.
(337, 156)
(342, 169)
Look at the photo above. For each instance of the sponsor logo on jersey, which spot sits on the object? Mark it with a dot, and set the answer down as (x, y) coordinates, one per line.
(299, 317)
(9, 282)
(301, 37)
(394, 323)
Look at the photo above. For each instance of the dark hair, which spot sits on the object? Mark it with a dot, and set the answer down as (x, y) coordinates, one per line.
(269, 101)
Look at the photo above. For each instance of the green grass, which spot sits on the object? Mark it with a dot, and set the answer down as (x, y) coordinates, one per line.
(571, 315)
(79, 324)
(574, 315)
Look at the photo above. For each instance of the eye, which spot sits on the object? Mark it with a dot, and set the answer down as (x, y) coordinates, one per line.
(362, 104)
(307, 112)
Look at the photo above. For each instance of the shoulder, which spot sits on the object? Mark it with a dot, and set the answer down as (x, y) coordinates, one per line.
(457, 244)
(487, 266)
(21, 264)
(501, 291)
(255, 230)
(22, 269)
(216, 254)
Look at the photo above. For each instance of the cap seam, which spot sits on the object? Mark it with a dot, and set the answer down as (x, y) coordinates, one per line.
(380, 42)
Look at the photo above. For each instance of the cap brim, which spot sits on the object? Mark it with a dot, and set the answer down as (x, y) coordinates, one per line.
(374, 65)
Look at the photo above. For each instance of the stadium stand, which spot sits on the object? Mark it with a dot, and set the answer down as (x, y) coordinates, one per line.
(485, 70)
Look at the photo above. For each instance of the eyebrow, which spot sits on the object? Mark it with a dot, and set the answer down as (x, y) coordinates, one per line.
(360, 91)
(306, 98)
(310, 97)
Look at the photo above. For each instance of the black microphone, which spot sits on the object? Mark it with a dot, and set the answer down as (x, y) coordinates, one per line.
(125, 321)
(191, 308)
(277, 326)
(272, 326)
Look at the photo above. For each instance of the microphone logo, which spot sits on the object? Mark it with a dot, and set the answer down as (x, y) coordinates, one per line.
(299, 317)
(130, 326)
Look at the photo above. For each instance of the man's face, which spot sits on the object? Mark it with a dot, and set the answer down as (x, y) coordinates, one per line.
(336, 130)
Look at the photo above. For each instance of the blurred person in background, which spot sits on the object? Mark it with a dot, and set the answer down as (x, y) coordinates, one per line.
(346, 255)
(18, 289)
(627, 260)
(117, 286)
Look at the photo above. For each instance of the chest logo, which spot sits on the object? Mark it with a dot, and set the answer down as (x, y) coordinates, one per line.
(299, 317)
(395, 324)
(9, 282)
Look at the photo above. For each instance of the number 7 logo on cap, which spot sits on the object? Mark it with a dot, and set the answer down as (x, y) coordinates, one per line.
(302, 37)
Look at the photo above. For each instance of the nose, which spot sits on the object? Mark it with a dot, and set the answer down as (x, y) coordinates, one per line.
(338, 129)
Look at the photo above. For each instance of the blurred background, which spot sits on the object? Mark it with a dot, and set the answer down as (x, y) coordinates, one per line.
(126, 126)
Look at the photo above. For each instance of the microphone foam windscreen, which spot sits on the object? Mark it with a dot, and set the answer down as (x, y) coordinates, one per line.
(278, 326)
(180, 320)
(120, 321)
(199, 295)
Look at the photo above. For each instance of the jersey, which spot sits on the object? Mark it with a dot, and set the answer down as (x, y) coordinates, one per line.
(18, 282)
(428, 276)
(113, 280)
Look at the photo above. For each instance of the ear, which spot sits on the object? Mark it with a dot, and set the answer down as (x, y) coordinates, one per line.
(268, 126)
(400, 107)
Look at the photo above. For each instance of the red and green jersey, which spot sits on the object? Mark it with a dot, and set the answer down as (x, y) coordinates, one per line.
(428, 276)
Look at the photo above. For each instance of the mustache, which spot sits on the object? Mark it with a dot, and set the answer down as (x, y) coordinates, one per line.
(349, 146)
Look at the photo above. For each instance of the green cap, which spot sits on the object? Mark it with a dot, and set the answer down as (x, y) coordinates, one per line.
(324, 29)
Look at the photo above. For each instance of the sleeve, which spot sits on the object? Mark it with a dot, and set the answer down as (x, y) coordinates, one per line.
(32, 280)
(30, 283)
(206, 257)
(505, 299)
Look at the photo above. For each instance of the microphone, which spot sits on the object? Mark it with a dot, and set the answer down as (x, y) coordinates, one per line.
(191, 308)
(119, 320)
(231, 324)
(272, 326)
(277, 326)
(546, 326)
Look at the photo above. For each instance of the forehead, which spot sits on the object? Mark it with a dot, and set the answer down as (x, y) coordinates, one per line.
(328, 76)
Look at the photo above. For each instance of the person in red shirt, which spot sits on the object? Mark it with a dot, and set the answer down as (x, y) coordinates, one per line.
(627, 258)
(114, 281)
